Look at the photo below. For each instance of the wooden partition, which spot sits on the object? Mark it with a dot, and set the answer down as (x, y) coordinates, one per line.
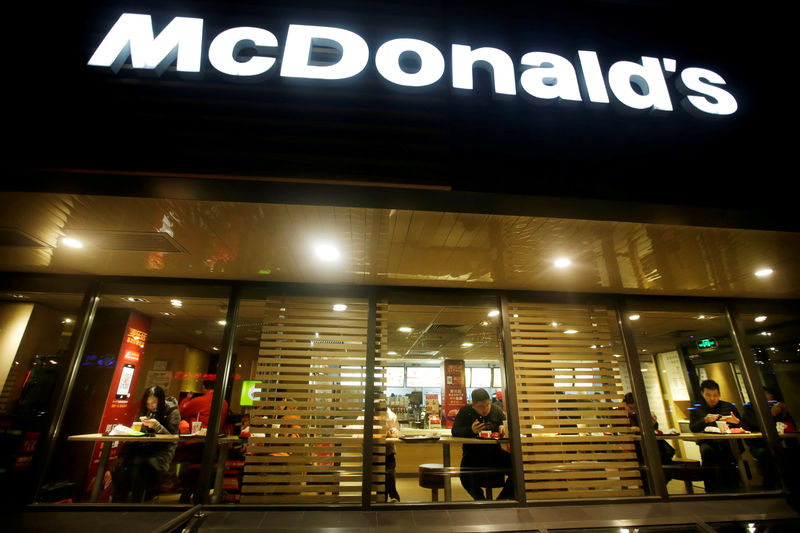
(308, 420)
(576, 440)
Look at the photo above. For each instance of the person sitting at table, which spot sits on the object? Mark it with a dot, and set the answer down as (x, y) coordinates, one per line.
(717, 454)
(482, 415)
(140, 464)
(665, 451)
(195, 409)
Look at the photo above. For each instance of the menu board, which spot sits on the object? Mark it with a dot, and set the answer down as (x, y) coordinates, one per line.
(395, 376)
(423, 376)
(671, 364)
(497, 378)
(481, 377)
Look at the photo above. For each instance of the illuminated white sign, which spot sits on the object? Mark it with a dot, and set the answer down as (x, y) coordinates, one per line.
(327, 53)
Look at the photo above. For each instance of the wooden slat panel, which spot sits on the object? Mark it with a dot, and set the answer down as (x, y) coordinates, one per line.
(576, 441)
(309, 410)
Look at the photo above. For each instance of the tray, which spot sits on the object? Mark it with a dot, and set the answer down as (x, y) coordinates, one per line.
(419, 438)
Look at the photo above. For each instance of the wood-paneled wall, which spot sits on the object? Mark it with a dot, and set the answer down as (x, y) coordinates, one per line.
(576, 439)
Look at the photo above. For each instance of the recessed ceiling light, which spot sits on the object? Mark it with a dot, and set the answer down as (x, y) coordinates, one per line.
(327, 252)
(760, 318)
(516, 315)
(617, 355)
(571, 331)
(405, 329)
(494, 312)
(215, 348)
(167, 313)
(633, 317)
(392, 353)
(340, 307)
(135, 299)
(484, 323)
(71, 242)
(466, 344)
(221, 322)
(554, 324)
(67, 321)
(176, 303)
(764, 272)
(18, 296)
(562, 262)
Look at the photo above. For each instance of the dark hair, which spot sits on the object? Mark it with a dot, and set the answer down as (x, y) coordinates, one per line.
(479, 395)
(160, 395)
(209, 384)
(628, 399)
(709, 384)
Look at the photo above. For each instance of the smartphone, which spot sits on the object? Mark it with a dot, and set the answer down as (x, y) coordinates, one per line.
(125, 380)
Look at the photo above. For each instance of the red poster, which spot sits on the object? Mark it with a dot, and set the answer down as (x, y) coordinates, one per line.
(121, 405)
(454, 390)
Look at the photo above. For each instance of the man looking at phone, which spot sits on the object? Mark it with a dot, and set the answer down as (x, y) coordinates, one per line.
(717, 453)
(480, 461)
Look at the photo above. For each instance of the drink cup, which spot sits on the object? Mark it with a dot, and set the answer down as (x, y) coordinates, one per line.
(197, 426)
(485, 434)
(137, 426)
(723, 426)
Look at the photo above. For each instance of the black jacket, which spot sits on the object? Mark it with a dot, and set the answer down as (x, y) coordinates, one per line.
(462, 426)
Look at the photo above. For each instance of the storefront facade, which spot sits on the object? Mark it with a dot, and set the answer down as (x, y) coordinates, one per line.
(318, 215)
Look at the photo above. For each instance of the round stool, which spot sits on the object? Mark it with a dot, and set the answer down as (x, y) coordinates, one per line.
(431, 476)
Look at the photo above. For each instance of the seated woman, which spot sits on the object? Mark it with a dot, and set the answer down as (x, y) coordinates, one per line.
(140, 464)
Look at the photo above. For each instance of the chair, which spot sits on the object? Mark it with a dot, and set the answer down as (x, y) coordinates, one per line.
(431, 476)
(686, 470)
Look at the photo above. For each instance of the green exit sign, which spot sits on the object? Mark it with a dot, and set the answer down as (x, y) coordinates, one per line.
(707, 344)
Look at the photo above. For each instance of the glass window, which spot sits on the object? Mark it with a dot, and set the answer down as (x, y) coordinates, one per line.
(578, 438)
(449, 353)
(36, 327)
(698, 398)
(138, 414)
(773, 340)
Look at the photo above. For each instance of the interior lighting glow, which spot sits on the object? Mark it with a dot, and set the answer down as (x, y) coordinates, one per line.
(176, 303)
(494, 312)
(633, 317)
(340, 307)
(554, 324)
(221, 322)
(571, 331)
(327, 252)
(760, 318)
(405, 329)
(466, 344)
(67, 321)
(764, 272)
(72, 243)
(562, 262)
(392, 353)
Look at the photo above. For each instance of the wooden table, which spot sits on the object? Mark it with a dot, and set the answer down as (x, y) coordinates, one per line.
(732, 438)
(97, 485)
(446, 442)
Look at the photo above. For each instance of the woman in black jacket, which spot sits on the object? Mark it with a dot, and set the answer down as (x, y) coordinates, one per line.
(140, 464)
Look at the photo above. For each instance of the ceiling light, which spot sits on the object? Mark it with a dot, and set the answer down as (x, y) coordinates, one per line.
(494, 312)
(516, 315)
(617, 355)
(215, 348)
(176, 303)
(405, 329)
(18, 296)
(554, 324)
(340, 307)
(571, 331)
(221, 322)
(392, 353)
(327, 252)
(67, 321)
(562, 262)
(72, 243)
(764, 272)
(760, 318)
(701, 317)
(484, 323)
(633, 317)
(466, 344)
(135, 299)
(167, 313)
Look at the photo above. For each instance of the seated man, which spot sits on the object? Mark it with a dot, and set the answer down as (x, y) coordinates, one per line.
(665, 451)
(482, 415)
(717, 453)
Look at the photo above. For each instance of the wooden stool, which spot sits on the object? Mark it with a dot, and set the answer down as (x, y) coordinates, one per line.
(431, 476)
